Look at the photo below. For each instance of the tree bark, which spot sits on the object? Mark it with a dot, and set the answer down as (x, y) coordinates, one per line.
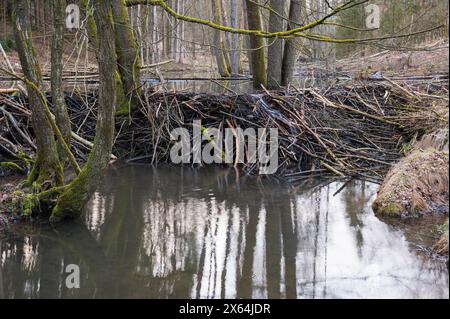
(291, 45)
(258, 63)
(127, 52)
(275, 51)
(218, 45)
(72, 201)
(47, 168)
(123, 103)
(235, 54)
(59, 104)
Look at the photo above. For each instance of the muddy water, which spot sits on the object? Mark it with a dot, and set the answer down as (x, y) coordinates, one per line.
(182, 233)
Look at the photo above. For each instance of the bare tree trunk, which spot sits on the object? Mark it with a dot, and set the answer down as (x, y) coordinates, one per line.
(166, 35)
(235, 54)
(127, 52)
(59, 104)
(246, 40)
(217, 48)
(275, 51)
(70, 204)
(47, 167)
(291, 46)
(150, 25)
(258, 63)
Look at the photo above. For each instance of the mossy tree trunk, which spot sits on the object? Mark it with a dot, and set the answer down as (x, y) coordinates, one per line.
(59, 104)
(275, 50)
(258, 65)
(291, 45)
(70, 204)
(123, 104)
(47, 170)
(127, 52)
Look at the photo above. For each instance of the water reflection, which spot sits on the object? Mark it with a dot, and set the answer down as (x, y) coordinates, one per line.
(182, 233)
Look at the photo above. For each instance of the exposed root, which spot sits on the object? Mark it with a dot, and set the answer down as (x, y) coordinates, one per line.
(29, 204)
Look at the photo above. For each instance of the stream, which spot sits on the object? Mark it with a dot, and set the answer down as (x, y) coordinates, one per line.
(173, 232)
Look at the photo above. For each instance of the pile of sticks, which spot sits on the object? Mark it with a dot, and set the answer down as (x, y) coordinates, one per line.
(354, 131)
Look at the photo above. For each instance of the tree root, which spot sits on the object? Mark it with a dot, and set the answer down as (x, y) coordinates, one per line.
(31, 203)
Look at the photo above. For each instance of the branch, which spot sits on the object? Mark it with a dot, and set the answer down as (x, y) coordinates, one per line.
(296, 32)
(323, 38)
(55, 127)
(260, 33)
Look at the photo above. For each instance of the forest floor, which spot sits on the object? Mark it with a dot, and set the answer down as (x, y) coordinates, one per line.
(429, 59)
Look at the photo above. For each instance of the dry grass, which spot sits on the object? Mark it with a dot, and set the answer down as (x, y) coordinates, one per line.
(441, 247)
(418, 184)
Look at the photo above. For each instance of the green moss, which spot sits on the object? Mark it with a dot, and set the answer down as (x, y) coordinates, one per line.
(25, 158)
(30, 204)
(17, 193)
(12, 165)
(123, 103)
(407, 147)
(443, 229)
(392, 209)
(71, 202)
(27, 204)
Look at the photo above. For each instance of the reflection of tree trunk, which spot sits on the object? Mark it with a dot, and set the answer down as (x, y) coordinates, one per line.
(13, 280)
(18, 283)
(227, 251)
(273, 251)
(201, 262)
(355, 203)
(289, 250)
(49, 269)
(245, 283)
(316, 243)
(130, 236)
(122, 231)
(78, 246)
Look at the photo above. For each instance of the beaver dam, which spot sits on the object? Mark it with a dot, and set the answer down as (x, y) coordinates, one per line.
(356, 130)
